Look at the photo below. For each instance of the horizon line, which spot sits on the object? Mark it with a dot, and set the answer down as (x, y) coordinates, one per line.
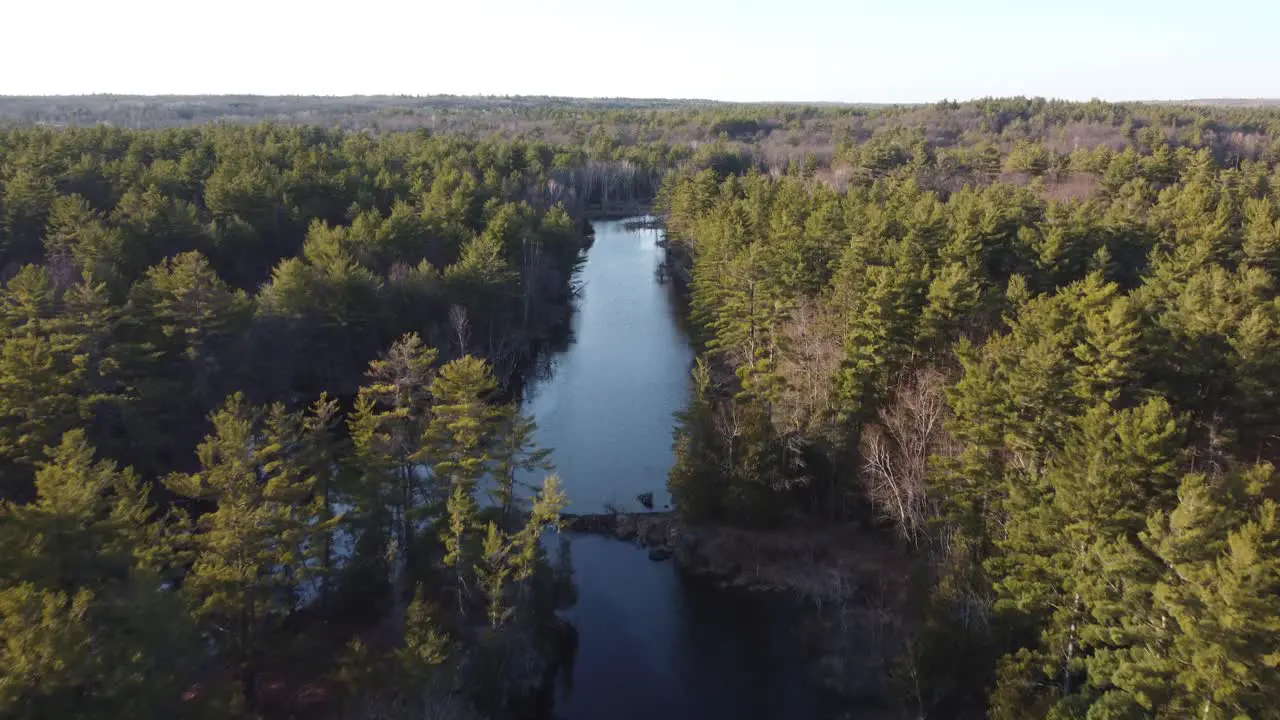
(606, 98)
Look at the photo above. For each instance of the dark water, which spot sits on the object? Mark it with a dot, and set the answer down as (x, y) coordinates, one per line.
(653, 644)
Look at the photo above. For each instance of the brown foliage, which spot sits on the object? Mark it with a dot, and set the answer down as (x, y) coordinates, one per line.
(1076, 186)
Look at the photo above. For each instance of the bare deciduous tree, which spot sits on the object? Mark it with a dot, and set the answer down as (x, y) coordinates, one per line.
(461, 326)
(811, 351)
(896, 451)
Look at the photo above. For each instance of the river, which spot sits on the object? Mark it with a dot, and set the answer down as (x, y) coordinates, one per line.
(653, 643)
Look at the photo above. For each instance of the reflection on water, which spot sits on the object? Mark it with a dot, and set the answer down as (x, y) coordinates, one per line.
(606, 410)
(655, 645)
(652, 643)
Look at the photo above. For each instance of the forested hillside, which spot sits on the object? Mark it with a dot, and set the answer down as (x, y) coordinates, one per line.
(1051, 372)
(259, 439)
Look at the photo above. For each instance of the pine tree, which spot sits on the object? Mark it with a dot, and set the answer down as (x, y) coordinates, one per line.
(251, 553)
(89, 631)
(749, 307)
(28, 197)
(1067, 559)
(51, 362)
(1215, 601)
(176, 348)
(456, 447)
(514, 451)
(481, 279)
(153, 227)
(544, 515)
(194, 316)
(1107, 354)
(78, 235)
(1256, 368)
(424, 647)
(492, 572)
(387, 426)
(461, 519)
(971, 483)
(952, 299)
(1037, 367)
(871, 347)
(89, 522)
(1262, 235)
(46, 656)
(510, 560)
(457, 438)
(320, 454)
(696, 479)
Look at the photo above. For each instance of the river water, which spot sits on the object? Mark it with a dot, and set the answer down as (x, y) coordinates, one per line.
(653, 644)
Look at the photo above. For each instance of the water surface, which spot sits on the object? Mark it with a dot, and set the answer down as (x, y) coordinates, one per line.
(653, 644)
(607, 409)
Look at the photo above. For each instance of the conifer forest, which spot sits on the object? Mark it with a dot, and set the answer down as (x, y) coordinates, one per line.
(998, 381)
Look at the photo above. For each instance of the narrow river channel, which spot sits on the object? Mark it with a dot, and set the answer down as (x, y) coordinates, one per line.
(653, 644)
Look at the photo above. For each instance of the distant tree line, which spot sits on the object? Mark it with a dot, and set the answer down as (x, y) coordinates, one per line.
(658, 133)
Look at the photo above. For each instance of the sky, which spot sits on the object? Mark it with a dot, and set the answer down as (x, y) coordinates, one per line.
(743, 50)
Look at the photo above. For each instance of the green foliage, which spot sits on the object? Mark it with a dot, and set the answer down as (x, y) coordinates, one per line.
(425, 646)
(46, 648)
(172, 285)
(88, 631)
(492, 571)
(1101, 537)
(696, 480)
(1092, 529)
(386, 427)
(514, 451)
(51, 367)
(462, 424)
(262, 541)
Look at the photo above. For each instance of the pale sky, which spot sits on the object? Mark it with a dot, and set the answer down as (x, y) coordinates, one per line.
(821, 50)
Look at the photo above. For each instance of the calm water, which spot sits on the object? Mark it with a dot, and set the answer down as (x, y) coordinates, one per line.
(607, 407)
(653, 644)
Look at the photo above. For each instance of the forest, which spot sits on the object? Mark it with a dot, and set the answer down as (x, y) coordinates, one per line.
(1054, 384)
(260, 425)
(230, 357)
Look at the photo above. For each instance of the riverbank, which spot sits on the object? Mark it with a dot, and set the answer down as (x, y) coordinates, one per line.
(618, 210)
(848, 585)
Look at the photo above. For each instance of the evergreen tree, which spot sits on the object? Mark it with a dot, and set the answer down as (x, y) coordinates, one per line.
(492, 572)
(176, 348)
(28, 197)
(253, 551)
(952, 299)
(697, 478)
(456, 445)
(514, 451)
(1262, 235)
(51, 355)
(89, 632)
(76, 234)
(1107, 354)
(390, 417)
